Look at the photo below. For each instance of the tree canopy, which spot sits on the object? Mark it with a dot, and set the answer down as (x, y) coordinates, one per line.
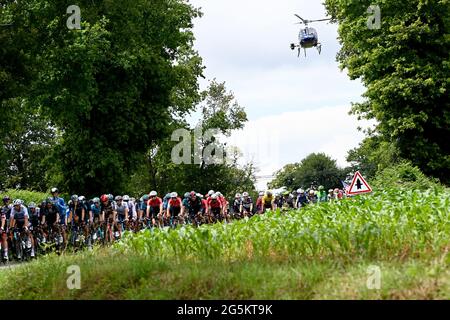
(405, 66)
(111, 88)
(314, 170)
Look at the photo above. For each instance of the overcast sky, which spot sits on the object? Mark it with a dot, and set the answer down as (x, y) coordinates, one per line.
(295, 106)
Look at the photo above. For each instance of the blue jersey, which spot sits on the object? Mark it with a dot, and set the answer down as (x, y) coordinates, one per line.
(96, 210)
(61, 206)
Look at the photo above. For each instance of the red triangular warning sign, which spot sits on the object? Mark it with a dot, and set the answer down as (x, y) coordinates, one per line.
(358, 185)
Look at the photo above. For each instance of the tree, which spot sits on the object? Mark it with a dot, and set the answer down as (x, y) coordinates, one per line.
(27, 146)
(219, 111)
(314, 170)
(405, 66)
(373, 155)
(113, 87)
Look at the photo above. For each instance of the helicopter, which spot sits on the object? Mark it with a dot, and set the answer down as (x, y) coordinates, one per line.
(307, 37)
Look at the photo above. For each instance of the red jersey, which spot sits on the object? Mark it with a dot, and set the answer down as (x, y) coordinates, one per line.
(214, 203)
(259, 202)
(155, 202)
(223, 201)
(175, 203)
(204, 204)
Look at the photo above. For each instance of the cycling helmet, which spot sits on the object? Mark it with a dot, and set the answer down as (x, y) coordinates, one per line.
(119, 198)
(336, 190)
(32, 205)
(321, 188)
(126, 198)
(110, 197)
(82, 198)
(187, 195)
(153, 194)
(261, 193)
(17, 202)
(300, 190)
(330, 191)
(219, 194)
(214, 196)
(193, 194)
(145, 197)
(200, 195)
(210, 192)
(238, 195)
(54, 190)
(96, 200)
(174, 195)
(311, 191)
(269, 193)
(104, 198)
(245, 194)
(6, 198)
(50, 200)
(74, 198)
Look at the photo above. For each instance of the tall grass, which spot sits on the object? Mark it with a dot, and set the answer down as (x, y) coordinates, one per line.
(385, 225)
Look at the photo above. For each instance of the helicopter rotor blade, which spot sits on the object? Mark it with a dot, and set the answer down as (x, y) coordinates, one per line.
(319, 20)
(303, 20)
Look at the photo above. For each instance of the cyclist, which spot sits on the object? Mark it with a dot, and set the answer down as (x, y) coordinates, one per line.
(76, 211)
(108, 216)
(173, 207)
(143, 206)
(225, 205)
(259, 203)
(246, 208)
(77, 215)
(132, 213)
(165, 204)
(19, 218)
(267, 201)
(95, 211)
(35, 214)
(215, 208)
(237, 205)
(60, 205)
(204, 205)
(155, 209)
(193, 206)
(50, 218)
(277, 201)
(312, 198)
(288, 200)
(122, 214)
(330, 195)
(321, 194)
(5, 215)
(302, 199)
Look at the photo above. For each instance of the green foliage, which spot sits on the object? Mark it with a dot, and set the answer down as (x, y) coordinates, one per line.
(316, 169)
(220, 112)
(372, 155)
(403, 175)
(321, 249)
(113, 87)
(25, 195)
(405, 66)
